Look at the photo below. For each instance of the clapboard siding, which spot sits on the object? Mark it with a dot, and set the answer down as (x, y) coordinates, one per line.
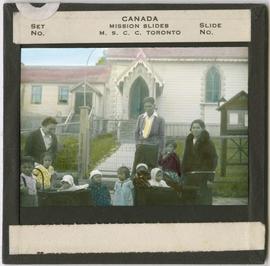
(180, 101)
(236, 79)
(211, 115)
(49, 105)
(183, 97)
(49, 101)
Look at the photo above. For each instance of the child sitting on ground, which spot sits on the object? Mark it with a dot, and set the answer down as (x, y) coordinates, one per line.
(156, 178)
(123, 188)
(67, 184)
(28, 190)
(142, 177)
(170, 162)
(99, 192)
(45, 172)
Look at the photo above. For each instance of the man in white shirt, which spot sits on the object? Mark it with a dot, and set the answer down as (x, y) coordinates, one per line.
(42, 140)
(149, 135)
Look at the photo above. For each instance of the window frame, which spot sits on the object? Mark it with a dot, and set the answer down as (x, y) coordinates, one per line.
(212, 92)
(34, 94)
(60, 88)
(242, 119)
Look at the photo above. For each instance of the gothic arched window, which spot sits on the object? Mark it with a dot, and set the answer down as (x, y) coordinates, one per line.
(213, 85)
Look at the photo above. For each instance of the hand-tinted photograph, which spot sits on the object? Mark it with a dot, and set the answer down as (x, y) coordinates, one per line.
(134, 126)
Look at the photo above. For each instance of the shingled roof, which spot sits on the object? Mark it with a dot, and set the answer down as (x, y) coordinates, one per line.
(63, 74)
(179, 52)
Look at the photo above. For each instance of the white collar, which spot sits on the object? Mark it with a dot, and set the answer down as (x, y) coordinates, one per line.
(154, 114)
(43, 133)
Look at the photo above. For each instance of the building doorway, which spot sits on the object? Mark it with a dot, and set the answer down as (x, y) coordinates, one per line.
(139, 90)
(79, 100)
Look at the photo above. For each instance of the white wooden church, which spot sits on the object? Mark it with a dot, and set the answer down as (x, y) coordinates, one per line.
(187, 83)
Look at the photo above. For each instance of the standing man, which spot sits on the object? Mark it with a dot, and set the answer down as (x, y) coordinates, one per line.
(149, 135)
(42, 140)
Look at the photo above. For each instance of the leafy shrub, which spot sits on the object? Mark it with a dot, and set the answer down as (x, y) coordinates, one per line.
(67, 157)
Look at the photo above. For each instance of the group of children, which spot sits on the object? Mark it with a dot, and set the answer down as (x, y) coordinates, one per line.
(42, 176)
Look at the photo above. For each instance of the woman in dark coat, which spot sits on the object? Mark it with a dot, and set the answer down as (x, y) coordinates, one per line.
(199, 156)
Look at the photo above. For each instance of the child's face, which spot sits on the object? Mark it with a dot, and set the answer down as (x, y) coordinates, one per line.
(141, 170)
(97, 178)
(65, 185)
(159, 176)
(47, 161)
(121, 175)
(169, 148)
(27, 168)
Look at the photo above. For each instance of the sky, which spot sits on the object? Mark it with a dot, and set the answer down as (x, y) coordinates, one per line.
(60, 56)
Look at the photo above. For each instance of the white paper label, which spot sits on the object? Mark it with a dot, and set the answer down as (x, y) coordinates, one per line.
(135, 26)
(112, 238)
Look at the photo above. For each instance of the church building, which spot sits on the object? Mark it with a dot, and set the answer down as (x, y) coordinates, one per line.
(187, 84)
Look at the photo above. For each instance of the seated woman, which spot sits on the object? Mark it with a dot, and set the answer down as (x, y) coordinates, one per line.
(200, 157)
(67, 184)
(156, 178)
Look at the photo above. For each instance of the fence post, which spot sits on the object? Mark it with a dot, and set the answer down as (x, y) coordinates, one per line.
(84, 143)
(223, 159)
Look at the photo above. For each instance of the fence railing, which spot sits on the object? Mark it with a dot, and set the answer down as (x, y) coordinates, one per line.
(102, 126)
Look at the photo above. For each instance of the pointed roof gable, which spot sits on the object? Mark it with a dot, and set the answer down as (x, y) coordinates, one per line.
(89, 87)
(239, 100)
(133, 66)
(140, 55)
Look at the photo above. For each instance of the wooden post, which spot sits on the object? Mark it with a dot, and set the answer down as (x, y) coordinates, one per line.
(84, 143)
(223, 159)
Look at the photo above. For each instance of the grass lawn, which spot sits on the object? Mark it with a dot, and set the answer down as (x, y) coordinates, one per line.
(100, 147)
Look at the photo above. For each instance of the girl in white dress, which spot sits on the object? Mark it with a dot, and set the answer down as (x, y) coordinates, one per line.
(123, 188)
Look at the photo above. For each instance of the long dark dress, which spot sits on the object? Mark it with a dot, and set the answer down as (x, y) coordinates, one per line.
(199, 156)
(100, 194)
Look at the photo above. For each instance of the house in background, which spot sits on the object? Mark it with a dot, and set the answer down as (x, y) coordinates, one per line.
(187, 84)
(59, 92)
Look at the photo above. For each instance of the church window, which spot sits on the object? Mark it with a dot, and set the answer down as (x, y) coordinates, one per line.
(213, 85)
